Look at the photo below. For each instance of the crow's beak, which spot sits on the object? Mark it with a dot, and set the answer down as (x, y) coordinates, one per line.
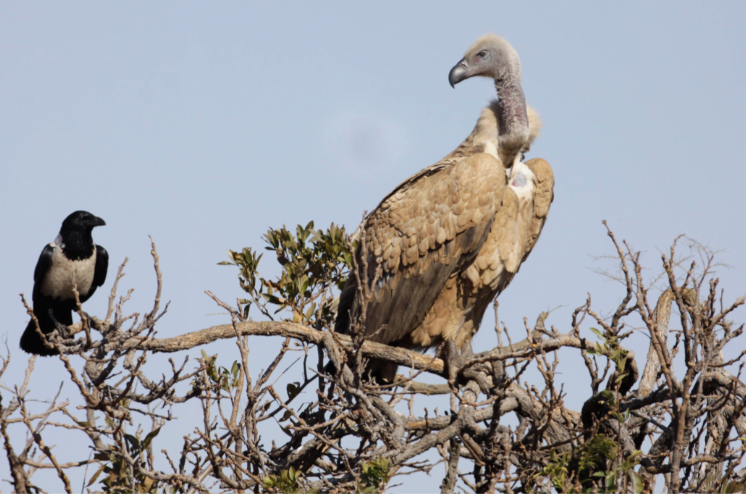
(458, 73)
(96, 221)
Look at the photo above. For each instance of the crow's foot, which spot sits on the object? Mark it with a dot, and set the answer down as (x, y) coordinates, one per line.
(61, 328)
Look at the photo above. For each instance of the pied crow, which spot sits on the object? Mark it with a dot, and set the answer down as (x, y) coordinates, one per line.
(71, 258)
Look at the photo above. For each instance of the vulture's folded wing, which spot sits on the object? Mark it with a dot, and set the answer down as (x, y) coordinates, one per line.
(428, 228)
(543, 197)
(501, 256)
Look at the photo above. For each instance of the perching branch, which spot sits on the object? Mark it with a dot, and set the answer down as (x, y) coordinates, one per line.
(679, 421)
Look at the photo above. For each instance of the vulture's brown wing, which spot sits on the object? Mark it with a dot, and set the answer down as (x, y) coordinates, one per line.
(543, 197)
(502, 253)
(428, 228)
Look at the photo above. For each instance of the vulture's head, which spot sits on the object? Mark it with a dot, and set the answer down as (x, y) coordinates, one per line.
(491, 56)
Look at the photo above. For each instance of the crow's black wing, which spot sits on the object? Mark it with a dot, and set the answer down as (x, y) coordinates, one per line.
(43, 264)
(102, 266)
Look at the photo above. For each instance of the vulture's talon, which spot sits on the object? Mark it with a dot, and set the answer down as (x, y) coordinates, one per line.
(456, 366)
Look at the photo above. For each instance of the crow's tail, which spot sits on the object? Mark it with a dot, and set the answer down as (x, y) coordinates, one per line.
(31, 341)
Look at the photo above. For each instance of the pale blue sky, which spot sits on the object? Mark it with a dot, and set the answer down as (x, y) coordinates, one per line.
(203, 124)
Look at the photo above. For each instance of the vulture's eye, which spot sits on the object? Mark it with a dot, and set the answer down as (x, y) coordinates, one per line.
(482, 53)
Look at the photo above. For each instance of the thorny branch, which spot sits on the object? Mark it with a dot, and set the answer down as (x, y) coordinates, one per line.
(679, 422)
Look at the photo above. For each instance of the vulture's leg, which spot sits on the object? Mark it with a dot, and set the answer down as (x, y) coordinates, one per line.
(452, 360)
(382, 372)
(455, 361)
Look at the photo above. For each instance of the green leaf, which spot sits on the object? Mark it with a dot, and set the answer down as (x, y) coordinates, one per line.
(132, 442)
(95, 476)
(149, 437)
(103, 457)
(637, 484)
(733, 487)
(611, 482)
(293, 389)
(598, 333)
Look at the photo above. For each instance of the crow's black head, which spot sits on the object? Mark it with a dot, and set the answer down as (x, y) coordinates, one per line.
(80, 221)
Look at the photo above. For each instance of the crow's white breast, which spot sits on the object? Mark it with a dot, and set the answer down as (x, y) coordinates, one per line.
(58, 283)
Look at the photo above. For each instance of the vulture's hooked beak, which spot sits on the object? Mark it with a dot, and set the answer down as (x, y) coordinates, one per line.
(458, 73)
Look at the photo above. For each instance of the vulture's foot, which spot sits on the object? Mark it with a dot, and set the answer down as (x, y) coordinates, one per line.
(456, 364)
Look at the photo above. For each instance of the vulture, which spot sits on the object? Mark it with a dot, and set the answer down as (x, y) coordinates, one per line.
(72, 258)
(449, 239)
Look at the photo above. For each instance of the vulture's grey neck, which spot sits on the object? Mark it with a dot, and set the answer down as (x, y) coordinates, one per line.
(513, 119)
